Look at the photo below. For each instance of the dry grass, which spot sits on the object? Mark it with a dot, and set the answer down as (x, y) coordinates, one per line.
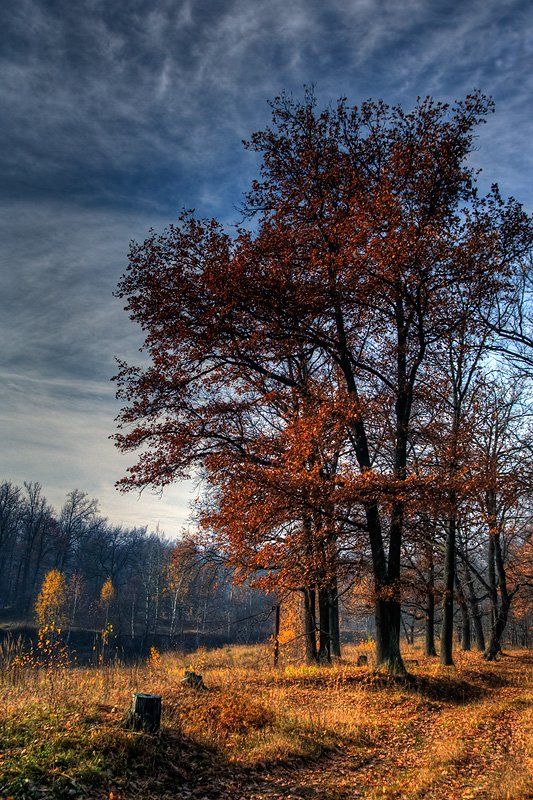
(337, 732)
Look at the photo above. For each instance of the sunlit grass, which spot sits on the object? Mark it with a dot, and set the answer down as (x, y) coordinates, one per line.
(64, 727)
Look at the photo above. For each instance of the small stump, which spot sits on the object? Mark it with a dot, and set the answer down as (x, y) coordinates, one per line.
(193, 680)
(145, 713)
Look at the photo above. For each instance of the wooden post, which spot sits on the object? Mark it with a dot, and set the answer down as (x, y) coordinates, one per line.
(276, 635)
(145, 712)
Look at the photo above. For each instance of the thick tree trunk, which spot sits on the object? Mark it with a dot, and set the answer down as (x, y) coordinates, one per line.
(478, 628)
(310, 625)
(500, 623)
(497, 631)
(446, 636)
(388, 607)
(388, 616)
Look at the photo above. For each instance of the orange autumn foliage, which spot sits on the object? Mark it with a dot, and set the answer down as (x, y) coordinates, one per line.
(292, 366)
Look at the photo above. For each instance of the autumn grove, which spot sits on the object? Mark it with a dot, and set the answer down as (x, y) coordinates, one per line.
(345, 374)
(348, 374)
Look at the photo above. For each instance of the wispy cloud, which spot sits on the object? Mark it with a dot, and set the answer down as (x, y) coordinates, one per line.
(114, 115)
(147, 102)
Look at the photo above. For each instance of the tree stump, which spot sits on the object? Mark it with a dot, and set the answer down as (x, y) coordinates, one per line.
(193, 680)
(362, 661)
(145, 714)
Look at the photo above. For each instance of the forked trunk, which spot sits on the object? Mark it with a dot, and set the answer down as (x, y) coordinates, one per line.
(500, 623)
(387, 605)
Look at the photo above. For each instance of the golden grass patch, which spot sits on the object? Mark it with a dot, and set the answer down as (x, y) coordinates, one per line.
(439, 733)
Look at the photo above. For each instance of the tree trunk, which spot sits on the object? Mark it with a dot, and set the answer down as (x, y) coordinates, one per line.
(324, 650)
(388, 608)
(446, 636)
(466, 635)
(500, 622)
(156, 610)
(466, 638)
(474, 608)
(74, 609)
(310, 625)
(173, 614)
(387, 611)
(409, 630)
(496, 633)
(493, 591)
(334, 626)
(276, 633)
(430, 610)
(132, 619)
(387, 618)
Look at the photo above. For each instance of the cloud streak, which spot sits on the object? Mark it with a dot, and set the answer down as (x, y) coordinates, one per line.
(115, 115)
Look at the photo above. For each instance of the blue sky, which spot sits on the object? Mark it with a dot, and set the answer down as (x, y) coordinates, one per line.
(117, 114)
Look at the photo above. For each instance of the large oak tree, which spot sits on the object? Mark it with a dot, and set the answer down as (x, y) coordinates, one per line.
(367, 227)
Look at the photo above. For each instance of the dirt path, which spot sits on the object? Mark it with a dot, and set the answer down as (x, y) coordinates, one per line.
(406, 768)
(447, 751)
(356, 772)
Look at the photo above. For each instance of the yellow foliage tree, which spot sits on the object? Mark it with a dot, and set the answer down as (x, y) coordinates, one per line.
(107, 595)
(51, 603)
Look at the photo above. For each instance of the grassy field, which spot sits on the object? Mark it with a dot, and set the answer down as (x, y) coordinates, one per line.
(296, 732)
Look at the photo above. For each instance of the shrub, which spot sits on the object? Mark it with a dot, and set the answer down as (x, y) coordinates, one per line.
(229, 714)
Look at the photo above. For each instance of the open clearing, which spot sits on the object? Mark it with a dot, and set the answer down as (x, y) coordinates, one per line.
(297, 732)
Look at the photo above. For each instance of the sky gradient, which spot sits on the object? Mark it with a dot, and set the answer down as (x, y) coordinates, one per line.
(114, 115)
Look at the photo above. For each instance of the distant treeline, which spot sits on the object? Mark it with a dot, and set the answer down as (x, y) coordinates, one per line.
(134, 588)
(138, 582)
